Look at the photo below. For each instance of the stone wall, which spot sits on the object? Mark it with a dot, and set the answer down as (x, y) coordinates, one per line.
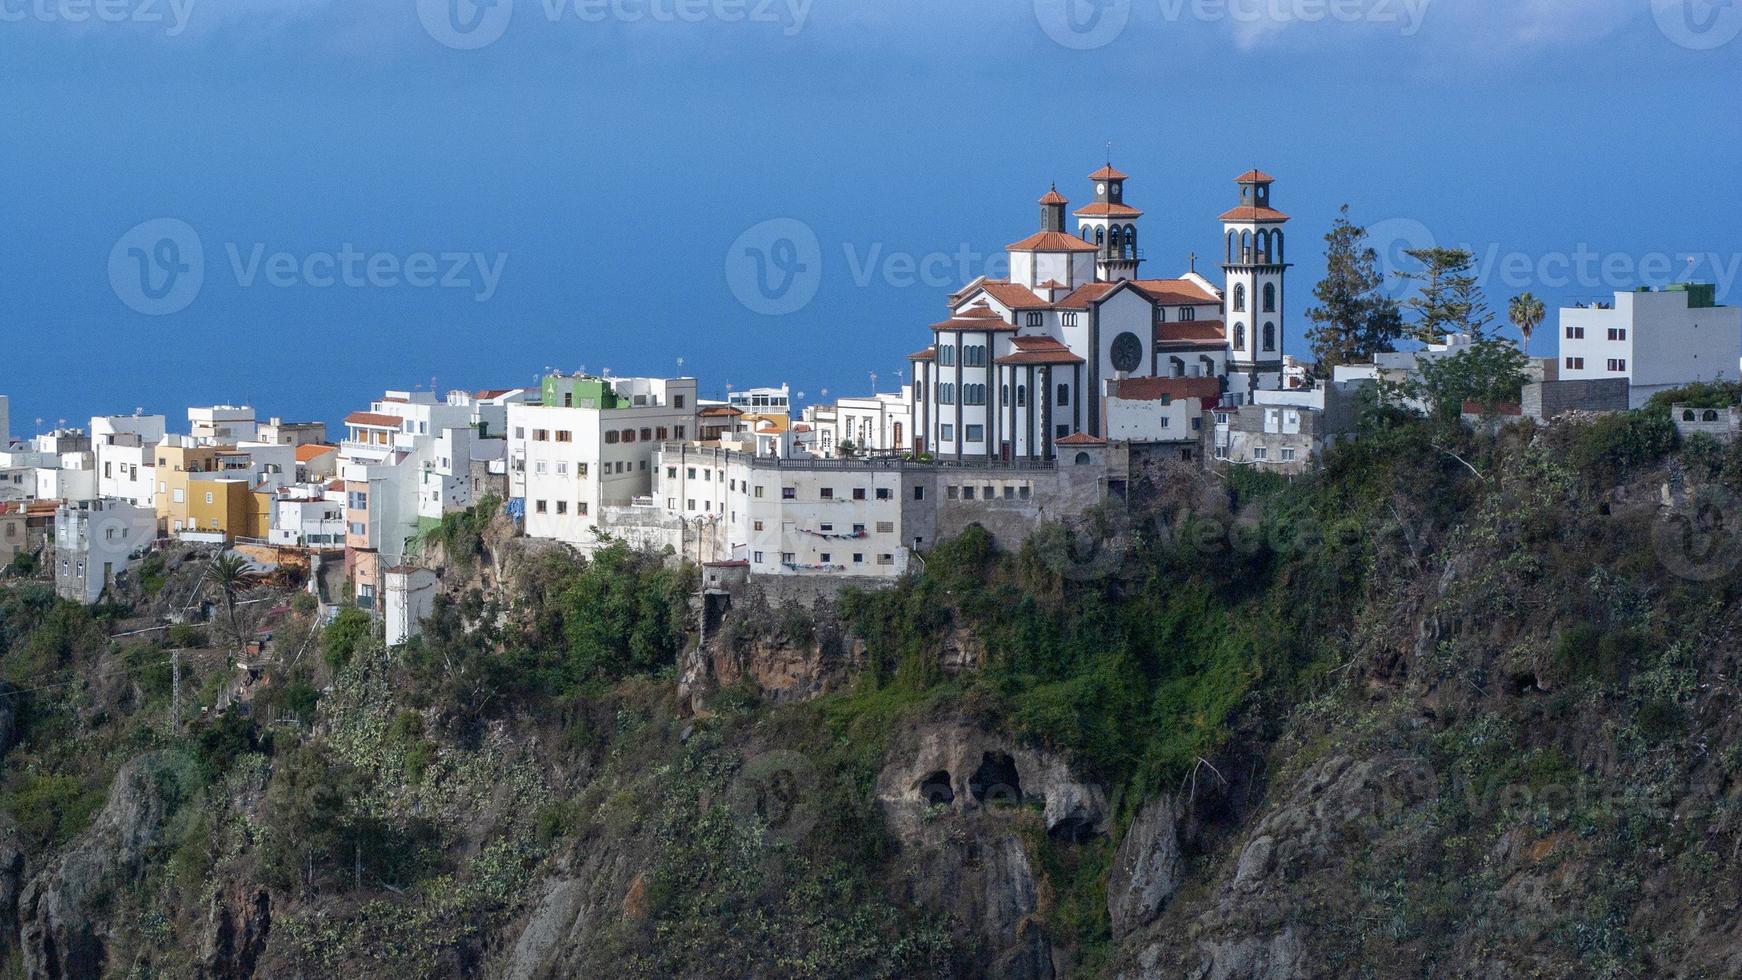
(1546, 400)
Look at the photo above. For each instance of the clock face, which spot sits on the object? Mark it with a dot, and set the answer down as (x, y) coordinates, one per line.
(1100, 188)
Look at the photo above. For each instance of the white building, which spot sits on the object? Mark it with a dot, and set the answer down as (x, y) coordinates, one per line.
(590, 445)
(762, 401)
(222, 425)
(1028, 360)
(1161, 410)
(124, 447)
(277, 431)
(410, 598)
(880, 423)
(308, 517)
(95, 544)
(1657, 340)
(785, 516)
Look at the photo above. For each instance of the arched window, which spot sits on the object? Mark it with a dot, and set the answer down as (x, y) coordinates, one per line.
(1100, 235)
(1245, 246)
(1003, 394)
(1239, 336)
(1131, 241)
(1187, 313)
(1711, 415)
(1270, 336)
(1233, 244)
(1239, 298)
(1688, 415)
(1270, 297)
(1021, 396)
(1277, 236)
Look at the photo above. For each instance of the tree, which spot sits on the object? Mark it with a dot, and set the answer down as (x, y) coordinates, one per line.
(230, 573)
(1353, 320)
(1450, 298)
(1526, 313)
(1490, 372)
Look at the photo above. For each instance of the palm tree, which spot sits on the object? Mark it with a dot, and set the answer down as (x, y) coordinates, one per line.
(230, 573)
(1526, 313)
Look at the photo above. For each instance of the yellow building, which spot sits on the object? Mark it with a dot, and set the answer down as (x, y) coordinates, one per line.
(220, 504)
(176, 467)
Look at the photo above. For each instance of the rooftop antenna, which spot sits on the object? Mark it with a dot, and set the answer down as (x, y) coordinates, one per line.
(873, 382)
(680, 367)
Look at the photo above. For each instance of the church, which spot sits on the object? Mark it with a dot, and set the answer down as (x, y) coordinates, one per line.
(1023, 363)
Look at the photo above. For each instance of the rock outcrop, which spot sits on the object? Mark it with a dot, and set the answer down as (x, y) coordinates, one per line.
(64, 933)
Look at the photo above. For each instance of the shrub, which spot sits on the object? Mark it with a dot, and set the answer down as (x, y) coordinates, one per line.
(344, 636)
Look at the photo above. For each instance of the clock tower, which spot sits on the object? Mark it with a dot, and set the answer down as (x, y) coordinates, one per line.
(1111, 226)
(1255, 271)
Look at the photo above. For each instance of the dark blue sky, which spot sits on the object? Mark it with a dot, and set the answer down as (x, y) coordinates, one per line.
(610, 165)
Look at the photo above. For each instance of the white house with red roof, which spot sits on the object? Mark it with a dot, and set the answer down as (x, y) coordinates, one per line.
(1026, 361)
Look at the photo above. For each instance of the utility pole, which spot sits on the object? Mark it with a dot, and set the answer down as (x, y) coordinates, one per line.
(175, 696)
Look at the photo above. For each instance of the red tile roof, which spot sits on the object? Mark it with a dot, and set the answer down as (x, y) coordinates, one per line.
(1255, 214)
(1051, 241)
(1054, 197)
(1254, 177)
(1108, 173)
(1089, 293)
(930, 353)
(1081, 439)
(1108, 211)
(977, 317)
(1211, 332)
(717, 411)
(1206, 390)
(1176, 292)
(1014, 295)
(1039, 350)
(312, 450)
(372, 419)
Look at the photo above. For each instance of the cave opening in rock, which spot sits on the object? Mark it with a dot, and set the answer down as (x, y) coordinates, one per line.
(1073, 830)
(936, 790)
(996, 781)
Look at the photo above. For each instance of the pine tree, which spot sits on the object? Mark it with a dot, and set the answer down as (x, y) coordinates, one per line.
(1353, 320)
(1450, 299)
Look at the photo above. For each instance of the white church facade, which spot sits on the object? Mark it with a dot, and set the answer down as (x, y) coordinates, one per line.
(1026, 361)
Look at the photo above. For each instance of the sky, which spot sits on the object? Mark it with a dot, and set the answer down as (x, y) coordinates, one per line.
(297, 204)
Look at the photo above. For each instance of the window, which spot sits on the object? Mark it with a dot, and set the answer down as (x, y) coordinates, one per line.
(646, 435)
(1063, 430)
(519, 433)
(1617, 333)
(786, 557)
(690, 504)
(858, 559)
(1188, 314)
(1576, 363)
(208, 497)
(1260, 453)
(758, 557)
(758, 492)
(540, 435)
(1615, 364)
(858, 493)
(1269, 297)
(628, 435)
(564, 435)
(562, 507)
(1021, 396)
(677, 401)
(885, 559)
(1239, 336)
(562, 469)
(826, 528)
(885, 527)
(789, 493)
(678, 431)
(946, 356)
(883, 493)
(664, 433)
(1270, 336)
(758, 525)
(1064, 394)
(1036, 319)
(827, 493)
(671, 472)
(951, 492)
(973, 394)
(1288, 455)
(1069, 319)
(538, 507)
(968, 493)
(611, 438)
(1239, 298)
(1575, 333)
(947, 432)
(1023, 492)
(826, 557)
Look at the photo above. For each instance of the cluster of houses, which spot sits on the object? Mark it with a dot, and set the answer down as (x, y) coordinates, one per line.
(1036, 396)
